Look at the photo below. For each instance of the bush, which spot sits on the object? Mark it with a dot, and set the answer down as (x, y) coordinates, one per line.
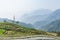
(58, 33)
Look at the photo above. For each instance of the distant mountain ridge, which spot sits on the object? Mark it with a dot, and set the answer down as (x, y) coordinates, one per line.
(19, 23)
(37, 15)
(54, 22)
(41, 21)
(54, 26)
(52, 17)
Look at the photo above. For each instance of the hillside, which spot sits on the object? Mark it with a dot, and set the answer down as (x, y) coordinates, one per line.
(52, 17)
(35, 16)
(11, 29)
(41, 18)
(17, 22)
(54, 26)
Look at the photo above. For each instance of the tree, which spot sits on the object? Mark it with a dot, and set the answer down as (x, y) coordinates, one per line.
(5, 21)
(17, 22)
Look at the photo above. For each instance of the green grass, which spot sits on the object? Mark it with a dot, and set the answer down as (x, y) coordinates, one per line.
(11, 29)
(1, 31)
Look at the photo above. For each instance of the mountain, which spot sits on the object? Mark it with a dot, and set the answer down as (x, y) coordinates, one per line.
(54, 15)
(2, 19)
(37, 18)
(54, 26)
(11, 29)
(19, 23)
(41, 18)
(36, 15)
(52, 22)
(40, 24)
(25, 24)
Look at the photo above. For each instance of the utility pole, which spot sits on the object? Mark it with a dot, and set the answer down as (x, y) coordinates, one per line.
(14, 19)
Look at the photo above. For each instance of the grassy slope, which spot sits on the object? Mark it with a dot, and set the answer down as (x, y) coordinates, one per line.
(10, 29)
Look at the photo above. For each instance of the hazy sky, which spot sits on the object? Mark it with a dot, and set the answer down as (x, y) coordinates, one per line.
(8, 8)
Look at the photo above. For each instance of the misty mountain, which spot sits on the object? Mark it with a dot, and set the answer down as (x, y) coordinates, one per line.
(36, 15)
(42, 18)
(19, 23)
(54, 20)
(52, 23)
(2, 19)
(40, 24)
(54, 15)
(26, 25)
(54, 26)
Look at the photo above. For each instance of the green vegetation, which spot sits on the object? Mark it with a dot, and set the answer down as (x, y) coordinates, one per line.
(11, 29)
(1, 31)
(58, 33)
